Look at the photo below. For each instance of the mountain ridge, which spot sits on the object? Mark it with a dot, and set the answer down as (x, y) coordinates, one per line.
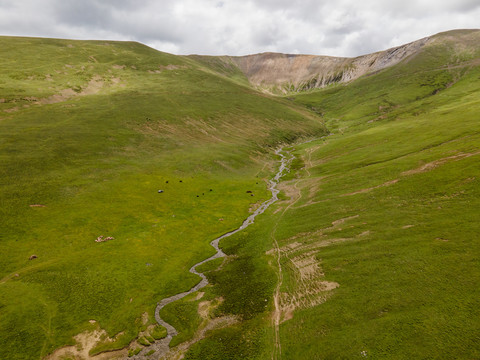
(371, 249)
(281, 73)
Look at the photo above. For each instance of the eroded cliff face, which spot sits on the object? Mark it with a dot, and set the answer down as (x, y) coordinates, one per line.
(274, 72)
(284, 73)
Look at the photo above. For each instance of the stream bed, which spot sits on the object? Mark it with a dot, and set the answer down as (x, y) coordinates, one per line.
(161, 347)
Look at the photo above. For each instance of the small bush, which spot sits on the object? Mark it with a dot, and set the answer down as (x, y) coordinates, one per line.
(149, 338)
(143, 341)
(159, 332)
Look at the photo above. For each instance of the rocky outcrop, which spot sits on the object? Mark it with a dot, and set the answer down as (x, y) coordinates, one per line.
(290, 73)
(286, 73)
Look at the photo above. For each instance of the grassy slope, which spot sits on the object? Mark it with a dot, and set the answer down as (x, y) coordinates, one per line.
(405, 291)
(95, 159)
(222, 65)
(406, 254)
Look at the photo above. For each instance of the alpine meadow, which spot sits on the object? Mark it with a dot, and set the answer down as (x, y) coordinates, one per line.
(120, 164)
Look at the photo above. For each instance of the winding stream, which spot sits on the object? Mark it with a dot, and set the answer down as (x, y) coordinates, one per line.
(171, 331)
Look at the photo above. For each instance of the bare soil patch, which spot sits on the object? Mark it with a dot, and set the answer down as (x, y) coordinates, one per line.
(309, 287)
(254, 207)
(432, 165)
(318, 234)
(363, 191)
(64, 95)
(421, 169)
(94, 86)
(86, 341)
(291, 190)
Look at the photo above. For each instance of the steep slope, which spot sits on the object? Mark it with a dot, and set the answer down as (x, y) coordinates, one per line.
(376, 243)
(89, 132)
(290, 73)
(287, 73)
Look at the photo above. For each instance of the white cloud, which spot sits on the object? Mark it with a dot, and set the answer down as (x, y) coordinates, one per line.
(236, 27)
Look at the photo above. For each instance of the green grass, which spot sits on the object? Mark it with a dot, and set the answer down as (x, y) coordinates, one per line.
(143, 341)
(210, 265)
(96, 163)
(222, 65)
(183, 316)
(408, 288)
(406, 256)
(159, 332)
(235, 342)
(133, 352)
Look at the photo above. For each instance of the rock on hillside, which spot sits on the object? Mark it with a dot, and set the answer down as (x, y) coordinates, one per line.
(286, 73)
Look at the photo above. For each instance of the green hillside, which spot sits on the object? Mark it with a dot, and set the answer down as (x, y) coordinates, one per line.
(89, 132)
(371, 252)
(402, 170)
(378, 234)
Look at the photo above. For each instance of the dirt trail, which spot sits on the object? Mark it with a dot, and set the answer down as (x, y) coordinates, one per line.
(277, 314)
(162, 347)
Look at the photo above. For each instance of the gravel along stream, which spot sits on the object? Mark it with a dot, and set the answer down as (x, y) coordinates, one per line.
(285, 161)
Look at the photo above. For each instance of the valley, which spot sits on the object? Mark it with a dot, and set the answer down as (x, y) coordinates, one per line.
(370, 251)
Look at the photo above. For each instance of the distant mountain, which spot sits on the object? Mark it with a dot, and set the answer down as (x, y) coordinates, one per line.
(371, 251)
(286, 73)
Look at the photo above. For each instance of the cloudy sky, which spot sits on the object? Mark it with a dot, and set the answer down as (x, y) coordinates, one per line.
(239, 27)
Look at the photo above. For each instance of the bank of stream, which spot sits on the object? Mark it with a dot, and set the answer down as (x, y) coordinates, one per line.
(161, 347)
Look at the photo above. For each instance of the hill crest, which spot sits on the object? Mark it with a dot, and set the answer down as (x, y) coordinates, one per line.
(286, 73)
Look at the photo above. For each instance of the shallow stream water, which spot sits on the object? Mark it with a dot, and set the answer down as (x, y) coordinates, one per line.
(161, 346)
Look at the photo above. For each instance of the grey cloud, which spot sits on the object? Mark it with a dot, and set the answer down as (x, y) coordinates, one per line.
(83, 13)
(124, 18)
(466, 5)
(340, 28)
